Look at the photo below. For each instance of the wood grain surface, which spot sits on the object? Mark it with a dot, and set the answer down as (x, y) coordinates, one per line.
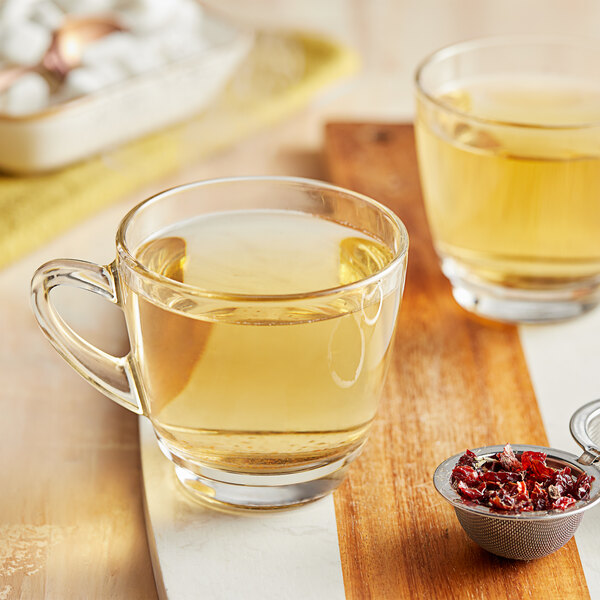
(455, 382)
(71, 513)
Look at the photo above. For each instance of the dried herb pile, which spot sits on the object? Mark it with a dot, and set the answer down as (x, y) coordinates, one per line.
(510, 483)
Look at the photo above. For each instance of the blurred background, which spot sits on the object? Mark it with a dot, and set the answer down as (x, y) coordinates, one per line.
(393, 36)
(390, 37)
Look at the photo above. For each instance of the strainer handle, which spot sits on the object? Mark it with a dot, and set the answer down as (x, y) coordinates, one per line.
(579, 430)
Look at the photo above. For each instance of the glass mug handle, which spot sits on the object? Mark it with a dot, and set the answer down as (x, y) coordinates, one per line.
(112, 375)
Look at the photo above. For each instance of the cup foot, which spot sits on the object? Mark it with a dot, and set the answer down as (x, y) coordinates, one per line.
(523, 310)
(246, 491)
(514, 305)
(247, 495)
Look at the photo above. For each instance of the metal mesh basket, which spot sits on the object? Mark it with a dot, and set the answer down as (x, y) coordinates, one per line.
(523, 540)
(529, 535)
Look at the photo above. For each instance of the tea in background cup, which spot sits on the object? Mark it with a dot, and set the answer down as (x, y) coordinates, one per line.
(261, 314)
(508, 138)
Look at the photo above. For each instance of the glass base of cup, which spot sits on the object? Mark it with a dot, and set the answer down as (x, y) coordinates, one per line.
(515, 305)
(245, 491)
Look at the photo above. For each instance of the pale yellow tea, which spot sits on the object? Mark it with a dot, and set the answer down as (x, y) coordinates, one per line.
(514, 205)
(262, 385)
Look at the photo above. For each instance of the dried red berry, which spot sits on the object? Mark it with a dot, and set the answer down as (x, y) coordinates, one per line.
(510, 483)
(468, 458)
(581, 488)
(535, 464)
(473, 493)
(564, 502)
(465, 473)
(508, 459)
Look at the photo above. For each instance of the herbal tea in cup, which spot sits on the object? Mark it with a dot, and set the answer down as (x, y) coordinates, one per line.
(508, 136)
(261, 314)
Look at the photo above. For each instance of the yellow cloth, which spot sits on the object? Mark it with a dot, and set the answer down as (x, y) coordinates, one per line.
(280, 76)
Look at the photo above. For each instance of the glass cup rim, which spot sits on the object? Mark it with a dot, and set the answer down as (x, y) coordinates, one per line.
(457, 48)
(128, 257)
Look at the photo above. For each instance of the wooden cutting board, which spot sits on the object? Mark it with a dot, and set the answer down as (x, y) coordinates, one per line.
(456, 382)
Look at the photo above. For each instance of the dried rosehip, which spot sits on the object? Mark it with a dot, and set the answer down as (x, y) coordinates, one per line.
(563, 481)
(468, 458)
(510, 483)
(465, 473)
(473, 493)
(563, 502)
(502, 501)
(535, 464)
(508, 459)
(581, 488)
(500, 476)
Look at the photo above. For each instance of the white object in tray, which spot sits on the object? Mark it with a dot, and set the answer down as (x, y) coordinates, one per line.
(82, 127)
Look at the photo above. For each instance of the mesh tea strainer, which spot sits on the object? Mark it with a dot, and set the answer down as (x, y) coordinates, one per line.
(529, 535)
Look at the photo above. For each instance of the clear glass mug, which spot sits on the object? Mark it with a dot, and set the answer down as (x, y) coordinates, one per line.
(508, 140)
(260, 400)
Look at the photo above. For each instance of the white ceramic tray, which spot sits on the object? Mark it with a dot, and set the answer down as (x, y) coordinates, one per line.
(85, 126)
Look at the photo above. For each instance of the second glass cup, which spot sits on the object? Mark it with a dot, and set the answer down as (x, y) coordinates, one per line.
(508, 137)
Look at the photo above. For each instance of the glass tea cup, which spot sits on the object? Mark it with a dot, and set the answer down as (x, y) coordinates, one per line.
(260, 313)
(508, 139)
